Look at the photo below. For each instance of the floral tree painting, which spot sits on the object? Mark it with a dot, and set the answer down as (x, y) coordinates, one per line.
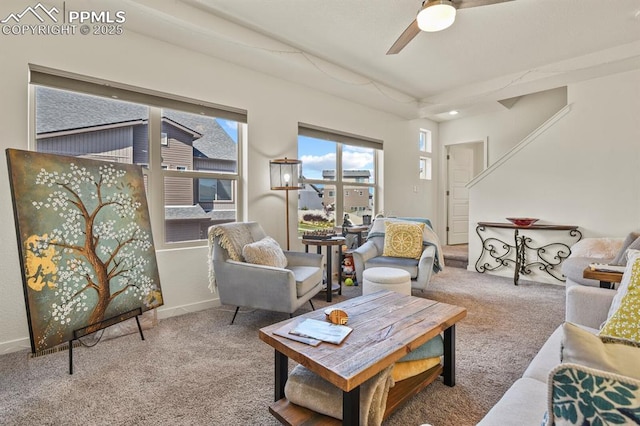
(85, 243)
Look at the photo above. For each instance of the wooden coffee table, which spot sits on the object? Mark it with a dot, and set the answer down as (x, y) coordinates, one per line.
(386, 326)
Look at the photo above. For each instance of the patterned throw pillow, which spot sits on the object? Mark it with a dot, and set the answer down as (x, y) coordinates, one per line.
(580, 395)
(266, 252)
(402, 239)
(624, 325)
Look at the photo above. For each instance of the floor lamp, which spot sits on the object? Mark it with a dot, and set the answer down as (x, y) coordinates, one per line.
(286, 174)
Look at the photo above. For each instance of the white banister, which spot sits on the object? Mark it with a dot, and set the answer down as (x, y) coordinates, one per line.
(526, 141)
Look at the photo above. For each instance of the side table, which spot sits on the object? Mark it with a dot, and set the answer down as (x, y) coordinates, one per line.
(607, 278)
(328, 243)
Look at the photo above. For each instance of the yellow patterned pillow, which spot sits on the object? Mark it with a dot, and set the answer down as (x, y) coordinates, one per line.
(624, 325)
(402, 239)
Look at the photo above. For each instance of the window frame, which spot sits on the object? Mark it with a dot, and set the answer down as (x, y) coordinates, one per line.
(342, 139)
(154, 170)
(428, 142)
(425, 148)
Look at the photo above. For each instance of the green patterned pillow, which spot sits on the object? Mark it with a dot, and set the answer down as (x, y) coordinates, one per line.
(580, 395)
(624, 325)
(403, 239)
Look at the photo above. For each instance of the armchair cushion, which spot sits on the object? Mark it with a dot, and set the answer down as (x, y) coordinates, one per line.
(409, 265)
(265, 252)
(403, 239)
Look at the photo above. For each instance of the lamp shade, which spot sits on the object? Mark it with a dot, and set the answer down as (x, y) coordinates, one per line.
(286, 174)
(436, 15)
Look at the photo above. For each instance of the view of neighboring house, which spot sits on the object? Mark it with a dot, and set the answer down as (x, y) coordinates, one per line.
(356, 199)
(310, 197)
(79, 125)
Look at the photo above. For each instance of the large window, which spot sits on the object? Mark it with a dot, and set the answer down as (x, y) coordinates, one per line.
(340, 176)
(189, 152)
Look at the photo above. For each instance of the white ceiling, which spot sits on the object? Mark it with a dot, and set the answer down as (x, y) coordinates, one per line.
(338, 46)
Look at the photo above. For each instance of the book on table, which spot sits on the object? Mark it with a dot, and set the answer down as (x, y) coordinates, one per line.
(603, 267)
(321, 330)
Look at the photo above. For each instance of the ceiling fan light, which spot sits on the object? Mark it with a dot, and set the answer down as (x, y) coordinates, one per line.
(436, 15)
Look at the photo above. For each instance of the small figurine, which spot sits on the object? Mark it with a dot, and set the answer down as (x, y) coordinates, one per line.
(345, 224)
(347, 266)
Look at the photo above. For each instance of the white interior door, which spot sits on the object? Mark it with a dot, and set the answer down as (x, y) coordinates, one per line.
(459, 172)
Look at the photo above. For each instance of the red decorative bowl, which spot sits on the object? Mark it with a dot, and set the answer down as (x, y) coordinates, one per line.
(522, 221)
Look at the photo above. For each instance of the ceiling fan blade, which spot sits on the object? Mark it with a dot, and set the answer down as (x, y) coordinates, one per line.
(404, 39)
(464, 4)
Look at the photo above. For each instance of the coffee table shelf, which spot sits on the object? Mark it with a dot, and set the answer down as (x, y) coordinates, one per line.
(290, 414)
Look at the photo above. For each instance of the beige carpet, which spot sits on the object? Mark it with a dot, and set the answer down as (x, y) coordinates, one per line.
(196, 369)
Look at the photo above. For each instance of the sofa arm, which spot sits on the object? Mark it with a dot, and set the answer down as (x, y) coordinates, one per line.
(588, 305)
(361, 255)
(425, 268)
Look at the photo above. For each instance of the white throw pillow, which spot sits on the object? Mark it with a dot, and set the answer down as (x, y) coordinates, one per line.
(266, 252)
(579, 346)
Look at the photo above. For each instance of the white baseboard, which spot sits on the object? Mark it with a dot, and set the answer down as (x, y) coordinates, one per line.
(175, 311)
(15, 345)
(25, 344)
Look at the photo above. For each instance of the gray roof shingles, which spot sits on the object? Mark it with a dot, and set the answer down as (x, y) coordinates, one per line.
(59, 110)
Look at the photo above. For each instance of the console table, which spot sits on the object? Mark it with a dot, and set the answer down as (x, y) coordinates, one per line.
(497, 253)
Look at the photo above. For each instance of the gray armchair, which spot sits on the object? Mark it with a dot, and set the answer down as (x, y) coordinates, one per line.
(240, 283)
(369, 255)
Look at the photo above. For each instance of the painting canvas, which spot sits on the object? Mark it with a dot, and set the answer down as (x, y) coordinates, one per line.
(85, 243)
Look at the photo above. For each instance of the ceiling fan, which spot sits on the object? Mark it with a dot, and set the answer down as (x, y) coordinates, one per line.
(435, 15)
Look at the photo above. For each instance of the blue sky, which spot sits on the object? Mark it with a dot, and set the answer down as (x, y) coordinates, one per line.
(319, 154)
(229, 126)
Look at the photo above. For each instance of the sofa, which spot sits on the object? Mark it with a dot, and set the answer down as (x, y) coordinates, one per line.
(578, 377)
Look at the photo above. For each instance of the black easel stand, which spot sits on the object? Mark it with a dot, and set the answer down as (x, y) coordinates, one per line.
(81, 332)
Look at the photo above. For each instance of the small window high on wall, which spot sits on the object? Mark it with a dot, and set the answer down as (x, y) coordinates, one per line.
(190, 152)
(340, 177)
(425, 148)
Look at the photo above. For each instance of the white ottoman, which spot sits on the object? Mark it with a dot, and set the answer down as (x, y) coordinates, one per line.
(393, 279)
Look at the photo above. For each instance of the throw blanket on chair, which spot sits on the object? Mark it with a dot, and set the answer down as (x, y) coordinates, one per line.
(429, 237)
(233, 236)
